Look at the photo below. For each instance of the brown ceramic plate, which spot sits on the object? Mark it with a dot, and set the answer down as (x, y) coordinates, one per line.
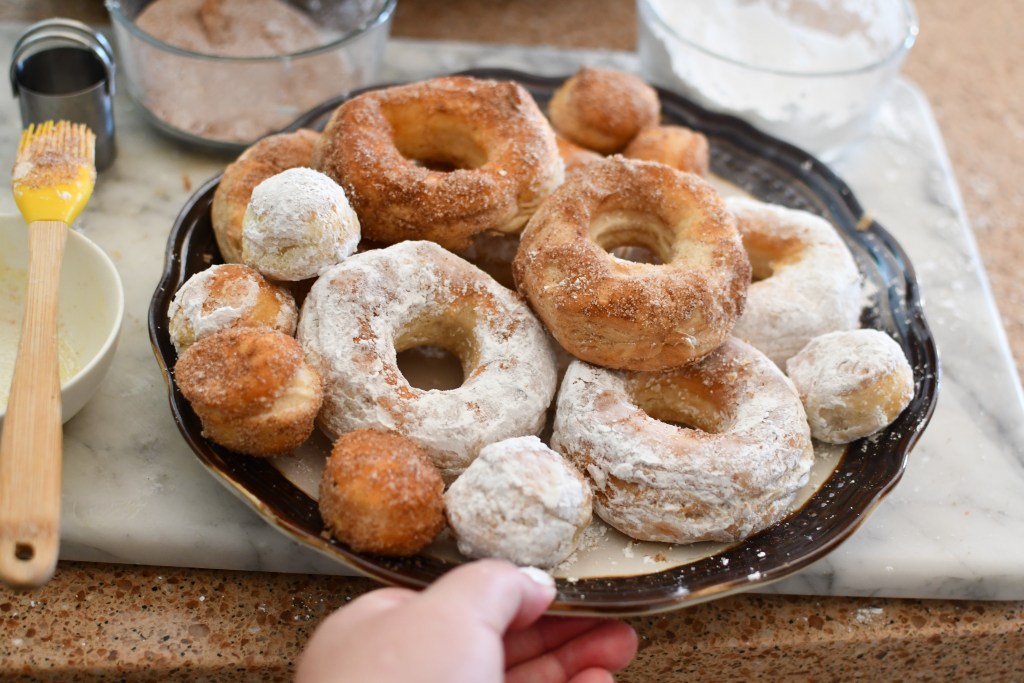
(624, 578)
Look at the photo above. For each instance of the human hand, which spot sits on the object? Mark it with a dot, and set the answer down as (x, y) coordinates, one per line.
(479, 623)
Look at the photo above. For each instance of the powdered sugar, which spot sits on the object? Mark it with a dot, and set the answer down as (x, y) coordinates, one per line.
(416, 293)
(521, 501)
(298, 223)
(813, 286)
(736, 474)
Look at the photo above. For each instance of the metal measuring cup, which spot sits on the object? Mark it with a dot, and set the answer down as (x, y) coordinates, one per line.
(62, 69)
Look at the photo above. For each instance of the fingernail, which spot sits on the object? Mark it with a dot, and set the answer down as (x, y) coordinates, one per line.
(539, 576)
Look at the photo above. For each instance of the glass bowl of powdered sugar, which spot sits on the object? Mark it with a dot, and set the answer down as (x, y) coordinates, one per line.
(811, 72)
(223, 73)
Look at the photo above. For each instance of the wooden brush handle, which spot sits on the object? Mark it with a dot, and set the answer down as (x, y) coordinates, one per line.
(32, 442)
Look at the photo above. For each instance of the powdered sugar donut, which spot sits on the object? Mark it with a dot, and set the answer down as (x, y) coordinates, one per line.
(227, 295)
(520, 501)
(806, 282)
(297, 224)
(733, 473)
(852, 383)
(362, 312)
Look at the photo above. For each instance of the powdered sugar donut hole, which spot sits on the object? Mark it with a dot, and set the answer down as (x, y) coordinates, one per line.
(519, 501)
(298, 223)
(852, 383)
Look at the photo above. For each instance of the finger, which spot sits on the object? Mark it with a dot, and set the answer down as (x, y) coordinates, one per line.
(493, 592)
(609, 647)
(593, 676)
(548, 634)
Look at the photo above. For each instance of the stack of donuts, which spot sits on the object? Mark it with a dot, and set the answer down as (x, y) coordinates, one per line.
(659, 383)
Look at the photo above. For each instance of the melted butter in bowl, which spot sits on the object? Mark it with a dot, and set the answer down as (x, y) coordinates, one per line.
(89, 316)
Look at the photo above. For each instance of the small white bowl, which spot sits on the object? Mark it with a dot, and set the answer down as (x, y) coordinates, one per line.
(812, 73)
(90, 313)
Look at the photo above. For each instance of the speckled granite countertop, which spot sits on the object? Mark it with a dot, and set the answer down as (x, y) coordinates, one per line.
(141, 623)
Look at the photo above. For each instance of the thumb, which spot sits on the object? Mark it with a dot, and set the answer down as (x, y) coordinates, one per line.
(495, 592)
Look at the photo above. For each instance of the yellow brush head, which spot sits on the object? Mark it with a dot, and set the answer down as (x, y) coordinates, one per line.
(55, 171)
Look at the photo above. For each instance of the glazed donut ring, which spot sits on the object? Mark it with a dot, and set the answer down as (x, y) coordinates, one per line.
(852, 383)
(265, 158)
(621, 314)
(735, 472)
(806, 282)
(362, 312)
(677, 146)
(499, 150)
(251, 388)
(603, 109)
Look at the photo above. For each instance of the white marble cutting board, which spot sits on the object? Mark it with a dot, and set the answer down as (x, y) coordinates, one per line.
(135, 493)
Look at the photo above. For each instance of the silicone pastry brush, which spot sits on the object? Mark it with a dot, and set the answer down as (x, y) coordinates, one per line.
(53, 177)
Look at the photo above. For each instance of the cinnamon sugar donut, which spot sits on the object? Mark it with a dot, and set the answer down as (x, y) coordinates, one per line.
(227, 295)
(853, 383)
(677, 146)
(442, 159)
(806, 282)
(520, 501)
(603, 109)
(714, 451)
(623, 314)
(298, 224)
(361, 313)
(379, 493)
(265, 158)
(573, 155)
(251, 388)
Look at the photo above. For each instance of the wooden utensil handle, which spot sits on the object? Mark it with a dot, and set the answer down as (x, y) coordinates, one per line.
(32, 442)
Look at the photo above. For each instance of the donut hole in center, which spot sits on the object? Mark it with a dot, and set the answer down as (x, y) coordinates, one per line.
(681, 402)
(767, 253)
(435, 353)
(438, 142)
(632, 236)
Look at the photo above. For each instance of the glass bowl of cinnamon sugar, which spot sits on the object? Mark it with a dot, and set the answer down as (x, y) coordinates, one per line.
(223, 73)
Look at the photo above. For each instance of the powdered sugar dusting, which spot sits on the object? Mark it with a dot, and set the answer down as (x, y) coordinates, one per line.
(813, 286)
(416, 293)
(521, 501)
(656, 481)
(852, 383)
(297, 224)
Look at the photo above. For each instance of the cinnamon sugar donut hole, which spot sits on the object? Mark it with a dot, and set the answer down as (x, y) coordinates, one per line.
(265, 158)
(853, 383)
(379, 493)
(252, 390)
(228, 295)
(603, 109)
(806, 282)
(623, 314)
(713, 451)
(677, 146)
(442, 159)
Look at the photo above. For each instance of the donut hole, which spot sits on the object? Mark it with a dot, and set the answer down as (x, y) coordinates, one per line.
(438, 142)
(683, 403)
(435, 353)
(632, 236)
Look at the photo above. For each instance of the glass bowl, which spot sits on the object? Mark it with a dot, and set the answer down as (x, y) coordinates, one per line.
(812, 72)
(230, 99)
